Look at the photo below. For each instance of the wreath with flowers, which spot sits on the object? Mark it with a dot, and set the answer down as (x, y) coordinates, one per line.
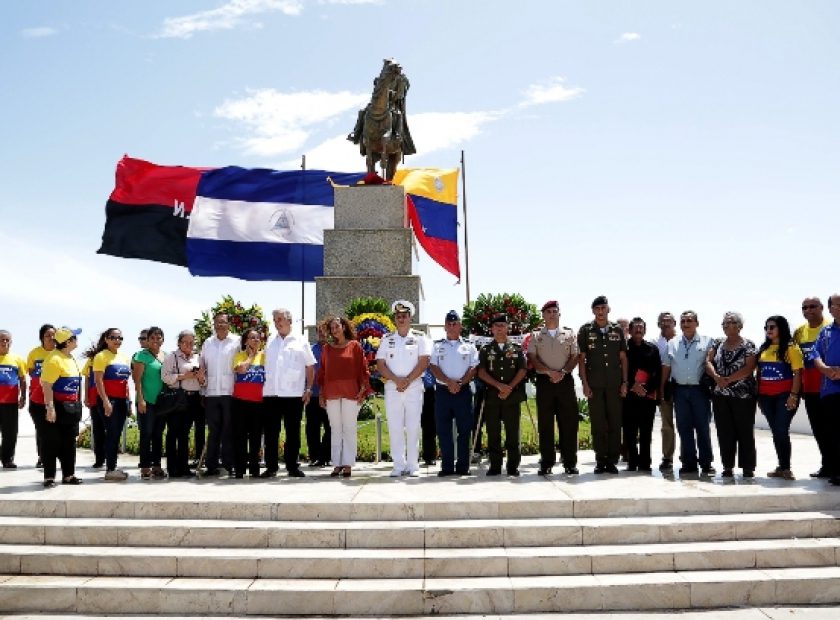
(522, 317)
(370, 328)
(240, 317)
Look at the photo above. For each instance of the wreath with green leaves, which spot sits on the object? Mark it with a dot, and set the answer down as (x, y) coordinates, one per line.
(241, 318)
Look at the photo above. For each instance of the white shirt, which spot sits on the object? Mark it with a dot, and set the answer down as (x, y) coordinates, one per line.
(454, 357)
(286, 360)
(401, 354)
(217, 357)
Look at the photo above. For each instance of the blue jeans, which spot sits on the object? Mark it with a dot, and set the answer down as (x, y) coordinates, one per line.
(113, 430)
(693, 413)
(456, 407)
(779, 419)
(151, 437)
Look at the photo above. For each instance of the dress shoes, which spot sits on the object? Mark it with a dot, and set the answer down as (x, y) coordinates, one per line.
(268, 474)
(820, 473)
(600, 469)
(513, 472)
(494, 471)
(544, 471)
(296, 473)
(611, 469)
(443, 473)
(708, 471)
(571, 471)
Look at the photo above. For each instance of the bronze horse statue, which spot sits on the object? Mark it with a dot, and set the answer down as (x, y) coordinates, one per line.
(381, 128)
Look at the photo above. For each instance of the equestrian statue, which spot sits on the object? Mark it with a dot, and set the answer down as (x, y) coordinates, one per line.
(382, 128)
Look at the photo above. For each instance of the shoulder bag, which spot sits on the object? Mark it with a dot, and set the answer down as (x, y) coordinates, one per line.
(172, 399)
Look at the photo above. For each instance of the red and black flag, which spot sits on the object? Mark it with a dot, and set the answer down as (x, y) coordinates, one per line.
(148, 212)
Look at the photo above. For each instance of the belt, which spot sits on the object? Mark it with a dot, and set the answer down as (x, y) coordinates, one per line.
(191, 392)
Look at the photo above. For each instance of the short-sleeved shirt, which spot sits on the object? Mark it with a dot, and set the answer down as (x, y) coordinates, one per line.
(33, 365)
(775, 376)
(401, 354)
(217, 357)
(554, 350)
(827, 349)
(90, 384)
(249, 385)
(62, 372)
(152, 381)
(115, 371)
(805, 336)
(502, 362)
(727, 362)
(454, 357)
(12, 370)
(687, 358)
(602, 347)
(286, 360)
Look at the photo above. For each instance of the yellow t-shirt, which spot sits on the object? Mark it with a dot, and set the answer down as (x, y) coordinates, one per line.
(775, 377)
(62, 372)
(116, 369)
(805, 336)
(12, 370)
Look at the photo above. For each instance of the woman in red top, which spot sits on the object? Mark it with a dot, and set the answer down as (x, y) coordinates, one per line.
(344, 382)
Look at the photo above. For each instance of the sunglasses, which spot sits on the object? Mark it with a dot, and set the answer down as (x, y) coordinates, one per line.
(810, 307)
(118, 338)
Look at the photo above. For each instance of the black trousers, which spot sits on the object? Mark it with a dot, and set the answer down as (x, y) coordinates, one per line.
(58, 441)
(247, 436)
(820, 425)
(428, 427)
(498, 412)
(217, 410)
(637, 421)
(198, 421)
(316, 417)
(830, 409)
(178, 436)
(557, 402)
(97, 430)
(37, 411)
(734, 421)
(8, 432)
(279, 411)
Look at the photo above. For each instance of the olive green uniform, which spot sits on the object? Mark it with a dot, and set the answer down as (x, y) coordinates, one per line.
(502, 363)
(601, 348)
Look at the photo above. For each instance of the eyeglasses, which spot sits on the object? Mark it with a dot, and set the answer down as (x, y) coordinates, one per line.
(119, 338)
(810, 306)
(142, 338)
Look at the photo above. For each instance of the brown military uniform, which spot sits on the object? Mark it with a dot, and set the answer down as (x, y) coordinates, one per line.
(601, 348)
(502, 364)
(556, 400)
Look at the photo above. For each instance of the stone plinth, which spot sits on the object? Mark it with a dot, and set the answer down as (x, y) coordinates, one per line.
(332, 293)
(369, 207)
(367, 252)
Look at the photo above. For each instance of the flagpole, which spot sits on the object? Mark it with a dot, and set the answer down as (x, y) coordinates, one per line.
(302, 287)
(466, 235)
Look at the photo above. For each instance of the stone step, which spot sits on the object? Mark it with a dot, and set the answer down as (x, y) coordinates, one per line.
(415, 563)
(416, 534)
(483, 595)
(415, 508)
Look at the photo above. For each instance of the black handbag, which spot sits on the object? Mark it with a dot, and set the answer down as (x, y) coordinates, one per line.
(70, 411)
(170, 399)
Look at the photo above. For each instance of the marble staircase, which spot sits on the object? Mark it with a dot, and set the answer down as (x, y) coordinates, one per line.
(477, 556)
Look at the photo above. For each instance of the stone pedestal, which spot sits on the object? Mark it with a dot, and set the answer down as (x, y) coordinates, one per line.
(368, 253)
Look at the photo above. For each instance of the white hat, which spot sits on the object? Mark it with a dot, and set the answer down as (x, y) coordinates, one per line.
(401, 305)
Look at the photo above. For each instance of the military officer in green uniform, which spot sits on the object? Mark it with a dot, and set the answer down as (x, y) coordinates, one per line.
(502, 367)
(603, 373)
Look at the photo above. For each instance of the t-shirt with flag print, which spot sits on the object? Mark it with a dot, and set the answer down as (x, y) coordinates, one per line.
(248, 385)
(92, 396)
(34, 361)
(12, 370)
(62, 372)
(116, 371)
(776, 377)
(805, 336)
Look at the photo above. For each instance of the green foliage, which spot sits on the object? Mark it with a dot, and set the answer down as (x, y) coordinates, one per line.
(240, 317)
(522, 316)
(364, 305)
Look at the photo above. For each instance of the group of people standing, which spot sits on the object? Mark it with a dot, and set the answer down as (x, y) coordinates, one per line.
(246, 391)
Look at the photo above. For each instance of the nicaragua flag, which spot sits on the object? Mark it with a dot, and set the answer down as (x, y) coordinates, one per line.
(432, 203)
(260, 224)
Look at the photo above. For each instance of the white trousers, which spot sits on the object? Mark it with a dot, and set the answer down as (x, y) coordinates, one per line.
(343, 414)
(403, 411)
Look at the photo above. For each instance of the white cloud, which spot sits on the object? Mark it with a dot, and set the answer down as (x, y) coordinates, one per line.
(38, 33)
(281, 122)
(550, 91)
(431, 131)
(627, 37)
(225, 17)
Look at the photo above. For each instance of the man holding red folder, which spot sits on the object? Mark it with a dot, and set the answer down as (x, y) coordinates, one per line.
(644, 370)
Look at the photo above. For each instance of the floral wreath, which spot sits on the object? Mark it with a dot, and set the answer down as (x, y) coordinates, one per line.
(240, 317)
(370, 328)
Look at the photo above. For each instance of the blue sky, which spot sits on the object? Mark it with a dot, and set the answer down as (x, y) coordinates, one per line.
(668, 155)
